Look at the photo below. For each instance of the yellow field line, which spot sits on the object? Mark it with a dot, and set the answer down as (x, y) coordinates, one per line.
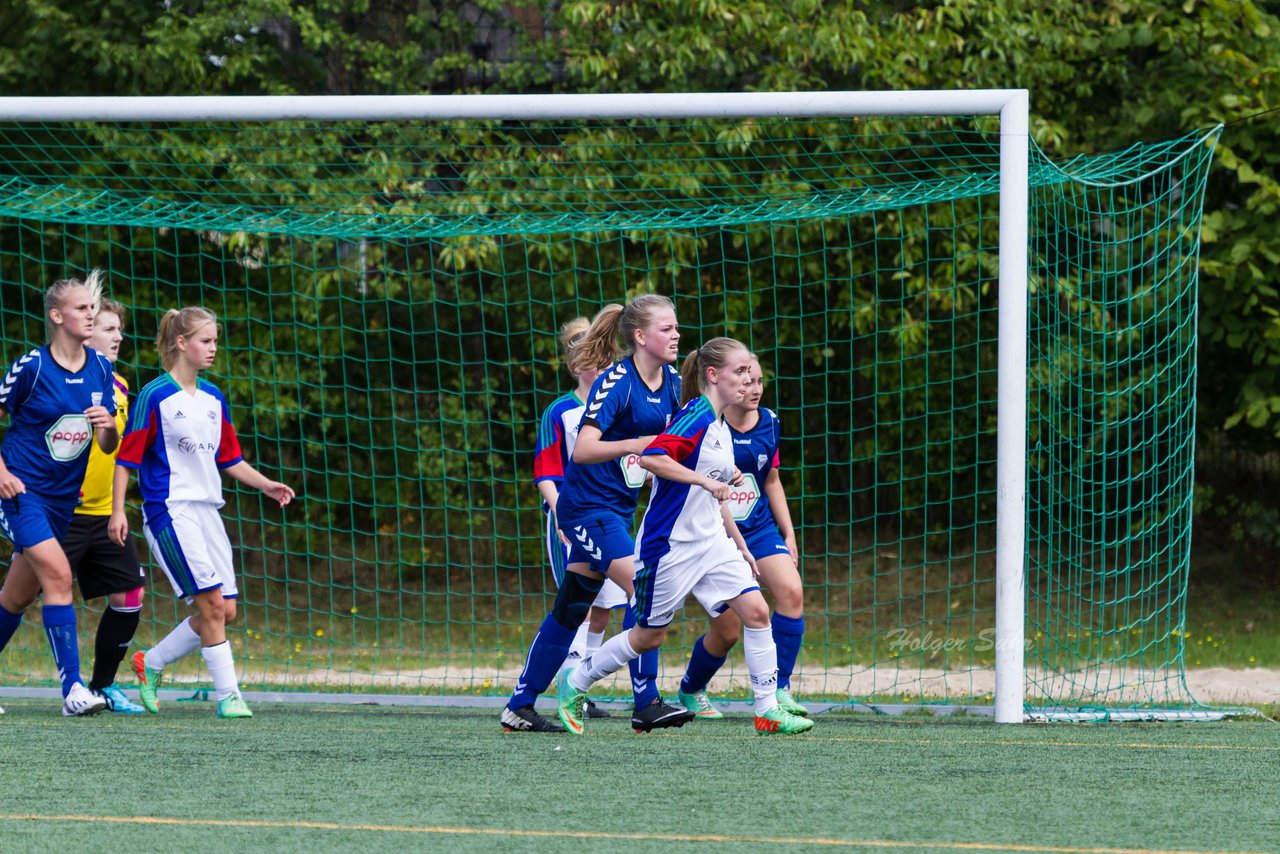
(573, 834)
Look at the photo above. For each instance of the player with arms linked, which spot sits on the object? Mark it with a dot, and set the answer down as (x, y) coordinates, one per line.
(59, 399)
(765, 523)
(630, 403)
(688, 543)
(179, 440)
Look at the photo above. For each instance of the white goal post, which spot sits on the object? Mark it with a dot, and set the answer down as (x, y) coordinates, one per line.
(1011, 106)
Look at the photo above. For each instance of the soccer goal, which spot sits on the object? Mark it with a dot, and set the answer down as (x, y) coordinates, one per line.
(983, 361)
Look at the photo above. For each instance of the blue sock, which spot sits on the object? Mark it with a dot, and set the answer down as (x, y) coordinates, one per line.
(702, 666)
(60, 626)
(8, 625)
(546, 655)
(788, 632)
(644, 670)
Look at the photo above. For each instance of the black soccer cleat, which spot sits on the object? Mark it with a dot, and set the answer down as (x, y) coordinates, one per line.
(526, 719)
(658, 715)
(594, 712)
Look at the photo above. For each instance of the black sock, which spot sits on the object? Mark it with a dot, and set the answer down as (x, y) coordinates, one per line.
(115, 632)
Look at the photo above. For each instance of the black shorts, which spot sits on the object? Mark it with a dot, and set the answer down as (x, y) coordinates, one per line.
(99, 565)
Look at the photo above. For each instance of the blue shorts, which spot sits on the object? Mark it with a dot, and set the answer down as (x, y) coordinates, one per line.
(29, 519)
(600, 541)
(765, 542)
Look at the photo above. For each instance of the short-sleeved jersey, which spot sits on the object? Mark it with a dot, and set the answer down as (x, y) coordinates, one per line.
(622, 407)
(95, 493)
(49, 435)
(682, 513)
(178, 442)
(755, 452)
(557, 433)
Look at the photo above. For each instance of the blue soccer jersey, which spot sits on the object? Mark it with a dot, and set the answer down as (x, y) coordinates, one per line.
(755, 452)
(622, 407)
(47, 443)
(682, 513)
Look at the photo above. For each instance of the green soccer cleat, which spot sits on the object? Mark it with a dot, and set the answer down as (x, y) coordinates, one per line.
(148, 682)
(778, 721)
(700, 704)
(788, 703)
(233, 707)
(571, 704)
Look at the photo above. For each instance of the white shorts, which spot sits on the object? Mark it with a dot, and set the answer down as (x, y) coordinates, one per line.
(714, 575)
(610, 595)
(192, 548)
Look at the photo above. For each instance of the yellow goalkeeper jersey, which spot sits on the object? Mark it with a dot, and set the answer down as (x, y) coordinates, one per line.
(95, 493)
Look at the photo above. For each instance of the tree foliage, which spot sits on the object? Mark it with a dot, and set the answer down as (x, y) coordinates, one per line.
(1102, 75)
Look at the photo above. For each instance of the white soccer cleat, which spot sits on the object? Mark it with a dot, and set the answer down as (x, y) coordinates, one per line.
(81, 702)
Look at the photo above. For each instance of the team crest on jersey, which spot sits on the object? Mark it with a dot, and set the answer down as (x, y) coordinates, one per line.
(761, 459)
(743, 498)
(68, 437)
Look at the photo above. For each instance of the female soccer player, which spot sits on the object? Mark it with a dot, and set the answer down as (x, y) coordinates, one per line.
(764, 520)
(628, 405)
(59, 397)
(557, 434)
(688, 543)
(101, 566)
(178, 439)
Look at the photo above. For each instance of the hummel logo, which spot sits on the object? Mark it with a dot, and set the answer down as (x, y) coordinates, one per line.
(742, 441)
(653, 399)
(588, 545)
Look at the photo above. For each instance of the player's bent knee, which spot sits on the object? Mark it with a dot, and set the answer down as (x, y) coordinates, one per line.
(574, 598)
(229, 612)
(727, 630)
(752, 610)
(789, 600)
(644, 640)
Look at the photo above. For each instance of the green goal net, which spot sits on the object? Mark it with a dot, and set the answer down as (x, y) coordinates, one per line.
(390, 294)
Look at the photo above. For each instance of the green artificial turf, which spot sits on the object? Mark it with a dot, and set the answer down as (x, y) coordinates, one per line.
(367, 778)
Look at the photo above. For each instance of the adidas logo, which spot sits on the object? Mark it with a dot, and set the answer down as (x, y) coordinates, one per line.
(178, 415)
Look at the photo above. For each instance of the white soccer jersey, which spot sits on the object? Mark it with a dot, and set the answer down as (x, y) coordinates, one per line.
(179, 442)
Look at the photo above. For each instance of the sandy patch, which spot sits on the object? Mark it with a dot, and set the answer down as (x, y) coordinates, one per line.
(1217, 685)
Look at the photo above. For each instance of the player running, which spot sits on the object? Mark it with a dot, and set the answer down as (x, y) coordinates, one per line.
(629, 404)
(764, 520)
(688, 543)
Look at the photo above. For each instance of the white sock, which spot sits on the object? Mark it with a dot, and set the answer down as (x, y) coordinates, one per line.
(222, 668)
(181, 641)
(594, 640)
(762, 664)
(611, 657)
(578, 649)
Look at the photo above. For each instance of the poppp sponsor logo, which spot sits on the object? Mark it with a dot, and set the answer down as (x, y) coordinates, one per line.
(744, 497)
(631, 471)
(68, 437)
